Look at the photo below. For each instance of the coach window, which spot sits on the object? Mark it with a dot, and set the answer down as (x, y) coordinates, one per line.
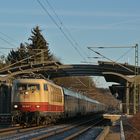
(45, 87)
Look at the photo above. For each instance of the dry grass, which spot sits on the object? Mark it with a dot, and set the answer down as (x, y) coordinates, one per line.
(133, 133)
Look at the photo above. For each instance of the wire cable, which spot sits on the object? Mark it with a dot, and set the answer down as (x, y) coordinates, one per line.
(68, 32)
(111, 60)
(59, 27)
(22, 60)
(8, 42)
(10, 38)
(64, 27)
(124, 54)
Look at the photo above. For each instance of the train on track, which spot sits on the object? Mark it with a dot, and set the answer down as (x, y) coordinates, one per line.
(40, 101)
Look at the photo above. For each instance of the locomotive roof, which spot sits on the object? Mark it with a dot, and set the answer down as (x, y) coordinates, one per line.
(28, 80)
(79, 96)
(24, 80)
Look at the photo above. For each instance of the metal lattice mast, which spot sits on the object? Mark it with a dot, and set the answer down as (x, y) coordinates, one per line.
(136, 91)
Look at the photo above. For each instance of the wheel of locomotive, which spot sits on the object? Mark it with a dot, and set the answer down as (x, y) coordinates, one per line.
(26, 119)
(36, 118)
(53, 119)
(45, 120)
(16, 117)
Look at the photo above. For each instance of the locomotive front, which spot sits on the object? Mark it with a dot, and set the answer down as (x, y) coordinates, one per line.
(36, 101)
(27, 101)
(26, 95)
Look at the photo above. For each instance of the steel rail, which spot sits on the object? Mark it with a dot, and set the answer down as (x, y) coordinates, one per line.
(12, 131)
(82, 130)
(59, 131)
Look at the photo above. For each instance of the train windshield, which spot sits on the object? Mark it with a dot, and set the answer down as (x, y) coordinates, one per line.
(28, 86)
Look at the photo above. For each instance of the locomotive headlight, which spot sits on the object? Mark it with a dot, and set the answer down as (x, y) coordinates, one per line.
(37, 106)
(15, 106)
(26, 93)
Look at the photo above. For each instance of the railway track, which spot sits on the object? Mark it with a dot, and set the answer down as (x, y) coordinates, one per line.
(16, 130)
(72, 131)
(25, 133)
(63, 131)
(69, 132)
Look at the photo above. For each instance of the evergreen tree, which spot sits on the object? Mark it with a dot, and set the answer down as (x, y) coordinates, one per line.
(19, 54)
(2, 61)
(38, 49)
(12, 57)
(38, 46)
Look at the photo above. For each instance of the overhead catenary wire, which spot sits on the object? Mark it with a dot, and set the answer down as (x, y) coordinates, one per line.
(36, 54)
(113, 47)
(7, 36)
(68, 32)
(130, 48)
(64, 27)
(124, 54)
(22, 60)
(60, 28)
(8, 42)
(11, 44)
(110, 60)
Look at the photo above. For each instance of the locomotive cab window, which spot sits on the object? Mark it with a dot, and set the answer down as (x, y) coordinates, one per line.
(21, 87)
(33, 87)
(28, 87)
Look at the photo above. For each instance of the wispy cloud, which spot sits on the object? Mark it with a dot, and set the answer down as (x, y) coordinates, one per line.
(21, 12)
(15, 24)
(97, 14)
(26, 25)
(103, 27)
(128, 23)
(112, 26)
(37, 12)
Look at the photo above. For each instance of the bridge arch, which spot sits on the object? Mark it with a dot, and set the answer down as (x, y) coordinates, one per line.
(116, 77)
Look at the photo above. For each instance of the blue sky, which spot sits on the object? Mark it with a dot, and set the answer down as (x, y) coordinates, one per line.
(91, 23)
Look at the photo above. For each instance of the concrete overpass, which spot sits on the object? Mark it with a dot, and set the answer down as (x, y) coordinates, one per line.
(54, 69)
(112, 72)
